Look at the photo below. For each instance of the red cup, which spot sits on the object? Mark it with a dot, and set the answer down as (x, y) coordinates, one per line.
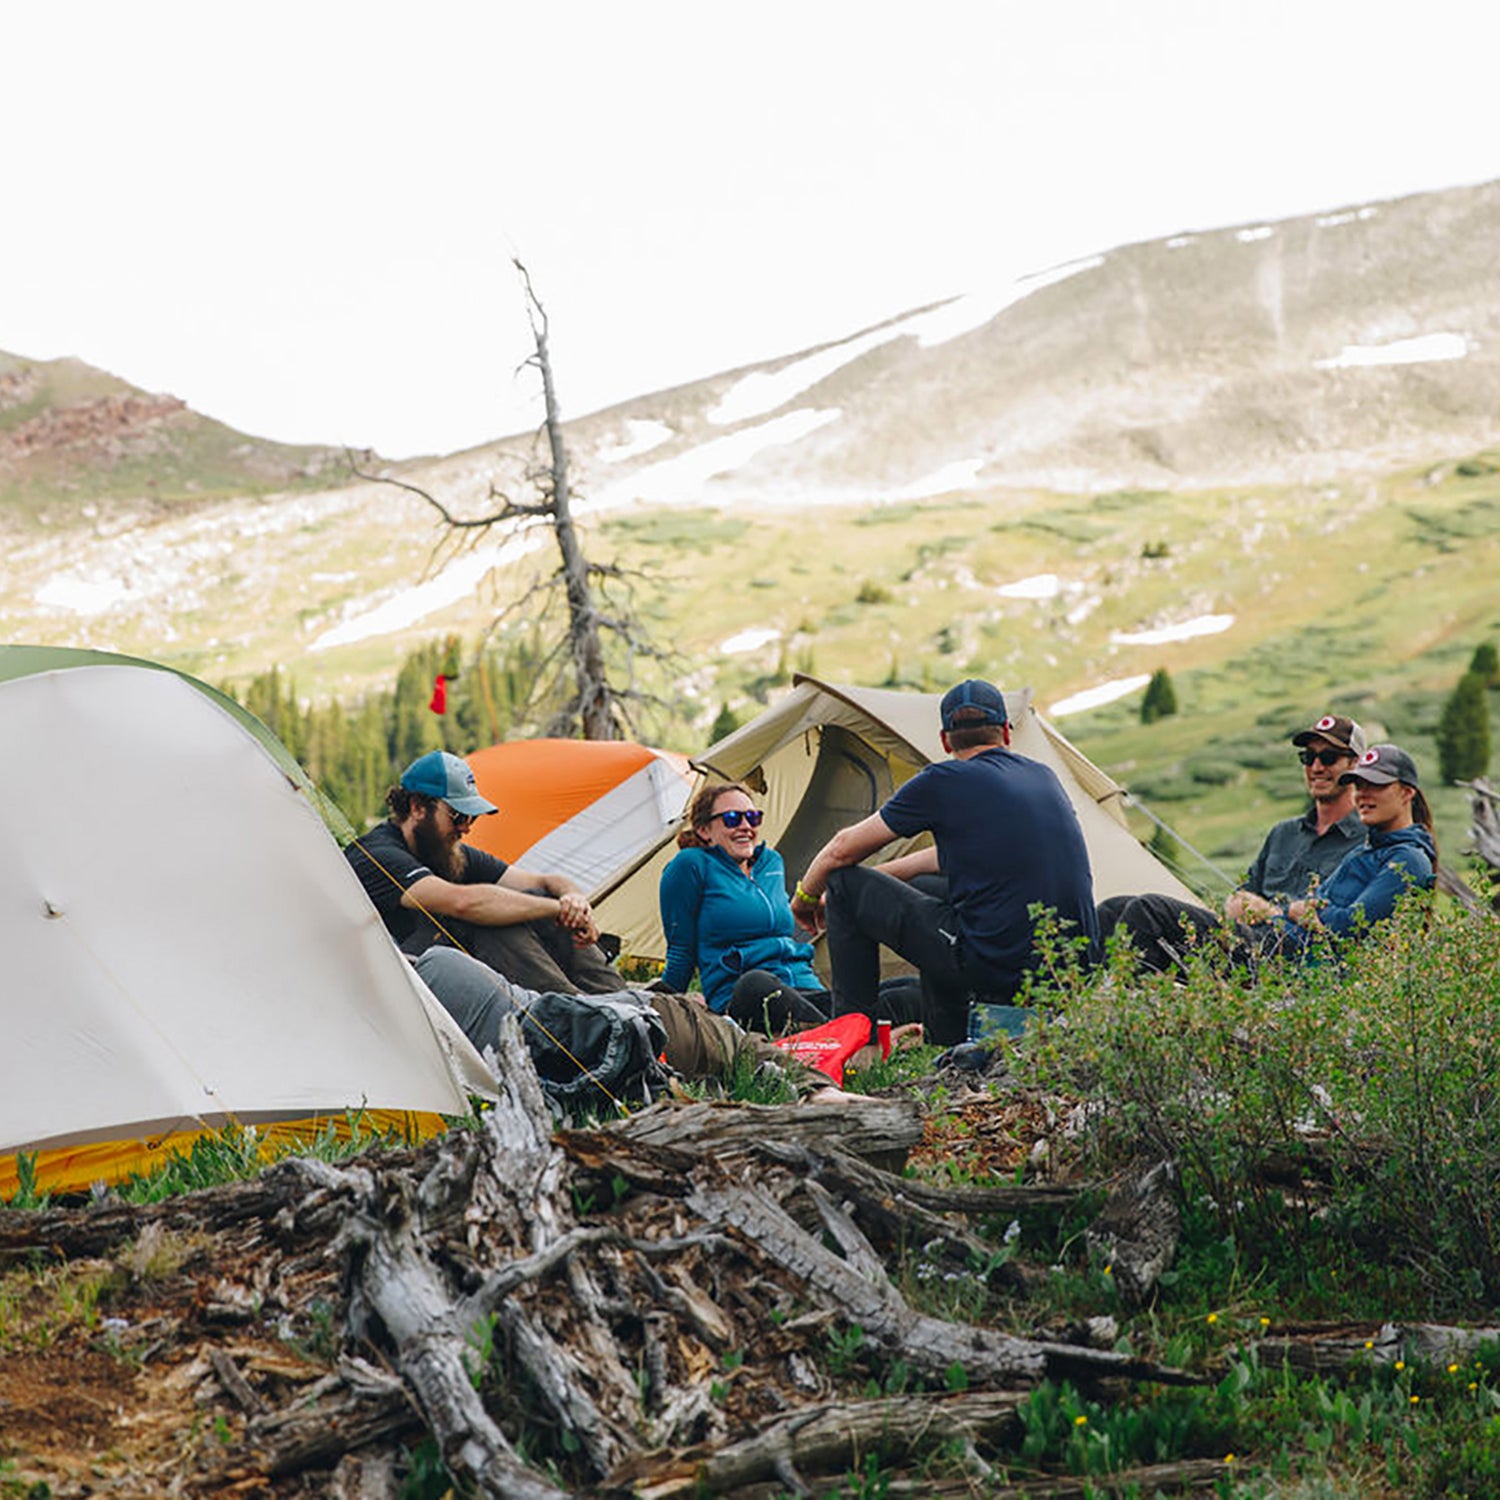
(883, 1035)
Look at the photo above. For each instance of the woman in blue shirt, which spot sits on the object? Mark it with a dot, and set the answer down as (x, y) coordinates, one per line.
(1399, 853)
(725, 913)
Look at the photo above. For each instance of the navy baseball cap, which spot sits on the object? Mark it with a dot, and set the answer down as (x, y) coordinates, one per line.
(449, 779)
(972, 703)
(1381, 765)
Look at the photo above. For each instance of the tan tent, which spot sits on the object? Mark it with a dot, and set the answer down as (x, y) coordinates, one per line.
(825, 756)
(184, 943)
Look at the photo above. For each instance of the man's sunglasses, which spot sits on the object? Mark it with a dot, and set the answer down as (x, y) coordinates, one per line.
(734, 816)
(460, 820)
(1323, 757)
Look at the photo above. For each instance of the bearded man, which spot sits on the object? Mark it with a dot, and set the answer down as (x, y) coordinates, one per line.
(431, 889)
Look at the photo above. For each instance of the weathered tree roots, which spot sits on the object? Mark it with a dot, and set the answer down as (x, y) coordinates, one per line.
(647, 1307)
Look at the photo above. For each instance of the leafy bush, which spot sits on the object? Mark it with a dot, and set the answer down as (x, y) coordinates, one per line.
(1349, 1102)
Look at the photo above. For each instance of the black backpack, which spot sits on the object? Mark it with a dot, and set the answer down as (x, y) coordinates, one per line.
(594, 1052)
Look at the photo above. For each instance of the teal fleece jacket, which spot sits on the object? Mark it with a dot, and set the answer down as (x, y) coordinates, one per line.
(723, 923)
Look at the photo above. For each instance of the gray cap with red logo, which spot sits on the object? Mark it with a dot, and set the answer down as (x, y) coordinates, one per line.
(1337, 730)
(1380, 765)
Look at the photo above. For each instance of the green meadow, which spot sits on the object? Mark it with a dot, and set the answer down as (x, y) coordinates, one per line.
(1368, 596)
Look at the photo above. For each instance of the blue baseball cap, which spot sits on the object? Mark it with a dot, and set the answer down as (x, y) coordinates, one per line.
(971, 704)
(449, 779)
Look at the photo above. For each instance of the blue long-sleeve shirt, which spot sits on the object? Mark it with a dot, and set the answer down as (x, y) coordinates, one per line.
(1368, 883)
(723, 923)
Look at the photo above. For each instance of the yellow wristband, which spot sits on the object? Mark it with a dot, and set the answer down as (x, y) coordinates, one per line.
(801, 895)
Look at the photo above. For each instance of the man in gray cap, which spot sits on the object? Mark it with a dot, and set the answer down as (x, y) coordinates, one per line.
(1297, 855)
(1005, 837)
(432, 889)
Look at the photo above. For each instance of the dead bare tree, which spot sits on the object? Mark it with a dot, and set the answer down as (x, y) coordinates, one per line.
(595, 706)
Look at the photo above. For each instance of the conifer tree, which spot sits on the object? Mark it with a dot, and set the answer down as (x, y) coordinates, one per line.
(1160, 697)
(1486, 664)
(1463, 732)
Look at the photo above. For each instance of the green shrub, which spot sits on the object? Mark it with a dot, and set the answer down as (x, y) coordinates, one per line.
(1334, 1111)
(1463, 732)
(1160, 698)
(1485, 664)
(1213, 772)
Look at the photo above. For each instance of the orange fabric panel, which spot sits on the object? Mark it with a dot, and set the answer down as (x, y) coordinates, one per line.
(540, 784)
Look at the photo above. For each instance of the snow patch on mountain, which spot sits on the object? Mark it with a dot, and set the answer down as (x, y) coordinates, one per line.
(683, 477)
(1097, 697)
(1424, 349)
(1040, 586)
(763, 391)
(1164, 635)
(749, 640)
(641, 437)
(962, 474)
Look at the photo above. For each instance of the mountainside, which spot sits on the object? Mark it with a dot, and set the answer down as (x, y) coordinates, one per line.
(1343, 342)
(71, 436)
(1271, 461)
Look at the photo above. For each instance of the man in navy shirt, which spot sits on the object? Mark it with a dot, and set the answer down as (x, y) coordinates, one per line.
(1005, 837)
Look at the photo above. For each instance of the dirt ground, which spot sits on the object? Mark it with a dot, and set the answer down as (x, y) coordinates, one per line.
(108, 1384)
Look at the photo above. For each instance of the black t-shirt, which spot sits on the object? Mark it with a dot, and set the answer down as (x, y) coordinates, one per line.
(1007, 838)
(388, 869)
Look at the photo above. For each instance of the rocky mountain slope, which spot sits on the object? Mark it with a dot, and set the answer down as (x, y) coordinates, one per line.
(73, 438)
(1353, 340)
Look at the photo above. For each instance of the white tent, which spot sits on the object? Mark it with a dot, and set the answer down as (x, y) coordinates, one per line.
(824, 756)
(184, 943)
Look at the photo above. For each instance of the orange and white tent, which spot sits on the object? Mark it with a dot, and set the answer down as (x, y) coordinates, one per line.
(587, 809)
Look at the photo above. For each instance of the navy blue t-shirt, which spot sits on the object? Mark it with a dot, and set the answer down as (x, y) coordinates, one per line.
(1007, 838)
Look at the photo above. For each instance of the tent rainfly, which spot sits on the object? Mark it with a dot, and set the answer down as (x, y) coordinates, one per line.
(586, 809)
(825, 756)
(185, 944)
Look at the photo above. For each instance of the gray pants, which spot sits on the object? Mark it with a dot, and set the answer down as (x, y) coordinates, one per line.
(700, 1044)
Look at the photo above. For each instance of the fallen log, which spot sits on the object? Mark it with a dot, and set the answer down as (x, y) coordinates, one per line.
(828, 1437)
(1327, 1349)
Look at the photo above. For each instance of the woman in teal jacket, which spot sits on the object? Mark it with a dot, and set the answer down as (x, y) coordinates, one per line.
(725, 913)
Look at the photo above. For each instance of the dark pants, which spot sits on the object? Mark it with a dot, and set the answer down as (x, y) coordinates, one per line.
(537, 955)
(766, 1003)
(1162, 930)
(762, 1002)
(700, 1044)
(867, 910)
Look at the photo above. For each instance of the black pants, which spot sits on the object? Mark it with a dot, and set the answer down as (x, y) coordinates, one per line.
(762, 1002)
(1162, 930)
(867, 910)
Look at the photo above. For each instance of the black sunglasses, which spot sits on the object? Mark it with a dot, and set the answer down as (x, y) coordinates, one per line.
(1323, 757)
(735, 815)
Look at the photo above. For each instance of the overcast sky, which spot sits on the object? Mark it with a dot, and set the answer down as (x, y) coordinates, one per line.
(300, 216)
